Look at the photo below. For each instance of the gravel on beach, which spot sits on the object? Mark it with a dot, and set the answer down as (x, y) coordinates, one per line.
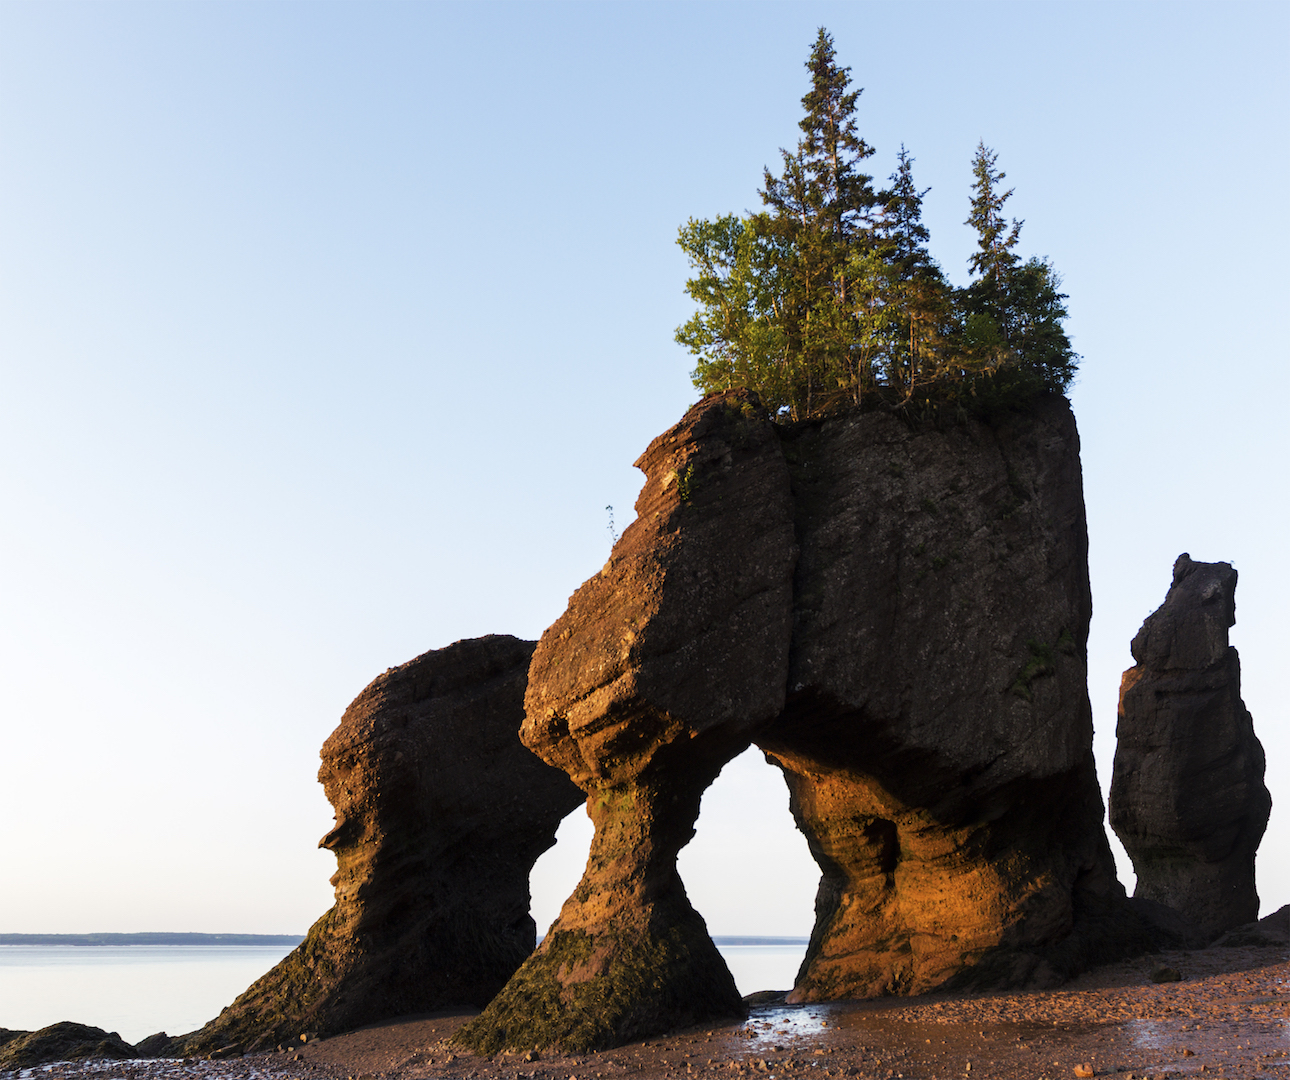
(1225, 1016)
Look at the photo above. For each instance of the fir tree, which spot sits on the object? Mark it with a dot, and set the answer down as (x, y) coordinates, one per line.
(920, 299)
(1013, 312)
(829, 297)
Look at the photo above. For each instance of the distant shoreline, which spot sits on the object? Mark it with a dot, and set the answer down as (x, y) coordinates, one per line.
(151, 939)
(280, 939)
(747, 939)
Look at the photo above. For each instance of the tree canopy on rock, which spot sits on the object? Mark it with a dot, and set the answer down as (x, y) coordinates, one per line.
(828, 298)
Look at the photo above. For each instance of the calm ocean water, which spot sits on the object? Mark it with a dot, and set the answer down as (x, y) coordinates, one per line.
(140, 989)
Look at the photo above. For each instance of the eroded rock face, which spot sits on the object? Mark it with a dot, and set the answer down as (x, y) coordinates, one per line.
(937, 735)
(441, 813)
(1187, 794)
(663, 668)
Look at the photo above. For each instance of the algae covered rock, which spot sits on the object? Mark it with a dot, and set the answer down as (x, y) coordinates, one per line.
(441, 813)
(662, 669)
(1187, 794)
(64, 1041)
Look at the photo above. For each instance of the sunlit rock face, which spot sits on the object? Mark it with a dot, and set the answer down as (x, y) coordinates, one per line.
(937, 735)
(441, 813)
(1187, 794)
(663, 668)
(918, 672)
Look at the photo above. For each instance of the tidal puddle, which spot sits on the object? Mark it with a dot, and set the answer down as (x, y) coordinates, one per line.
(768, 1024)
(870, 1026)
(1170, 1034)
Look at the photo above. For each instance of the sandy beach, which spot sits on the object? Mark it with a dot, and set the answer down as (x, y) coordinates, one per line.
(1226, 1018)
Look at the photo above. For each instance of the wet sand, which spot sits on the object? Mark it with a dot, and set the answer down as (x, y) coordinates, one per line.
(1227, 1018)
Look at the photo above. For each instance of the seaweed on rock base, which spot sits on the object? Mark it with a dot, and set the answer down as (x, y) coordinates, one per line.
(583, 993)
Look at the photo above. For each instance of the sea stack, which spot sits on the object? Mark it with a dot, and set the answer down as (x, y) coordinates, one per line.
(897, 614)
(937, 734)
(440, 815)
(1187, 795)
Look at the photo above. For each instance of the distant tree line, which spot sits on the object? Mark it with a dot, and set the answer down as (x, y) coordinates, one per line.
(828, 298)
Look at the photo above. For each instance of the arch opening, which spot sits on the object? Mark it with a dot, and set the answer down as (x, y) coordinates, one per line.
(749, 873)
(559, 869)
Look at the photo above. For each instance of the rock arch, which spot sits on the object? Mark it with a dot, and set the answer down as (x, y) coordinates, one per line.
(899, 618)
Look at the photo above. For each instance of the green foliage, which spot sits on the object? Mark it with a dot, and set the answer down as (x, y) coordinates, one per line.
(829, 298)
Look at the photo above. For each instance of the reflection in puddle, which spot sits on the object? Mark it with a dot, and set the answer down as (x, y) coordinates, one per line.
(1155, 1034)
(1169, 1034)
(775, 1023)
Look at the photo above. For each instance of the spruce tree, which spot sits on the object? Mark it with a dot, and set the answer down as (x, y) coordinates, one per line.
(986, 300)
(919, 297)
(1012, 312)
(820, 210)
(829, 297)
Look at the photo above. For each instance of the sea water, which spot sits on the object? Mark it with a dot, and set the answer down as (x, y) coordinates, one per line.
(136, 990)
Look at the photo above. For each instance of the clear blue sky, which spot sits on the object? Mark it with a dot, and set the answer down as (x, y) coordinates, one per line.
(328, 332)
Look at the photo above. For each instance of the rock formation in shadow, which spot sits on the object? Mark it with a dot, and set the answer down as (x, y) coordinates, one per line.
(440, 815)
(1187, 794)
(918, 673)
(663, 668)
(937, 735)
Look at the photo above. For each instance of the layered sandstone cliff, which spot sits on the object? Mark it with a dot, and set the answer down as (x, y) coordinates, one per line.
(1187, 794)
(440, 815)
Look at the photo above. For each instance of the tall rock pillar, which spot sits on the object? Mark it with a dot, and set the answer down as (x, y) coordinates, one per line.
(663, 668)
(1187, 794)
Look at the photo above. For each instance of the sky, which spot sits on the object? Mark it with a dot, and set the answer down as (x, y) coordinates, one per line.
(329, 332)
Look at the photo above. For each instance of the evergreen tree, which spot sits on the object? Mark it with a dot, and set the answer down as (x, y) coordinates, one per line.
(775, 290)
(994, 258)
(918, 295)
(984, 340)
(829, 296)
(821, 209)
(1013, 312)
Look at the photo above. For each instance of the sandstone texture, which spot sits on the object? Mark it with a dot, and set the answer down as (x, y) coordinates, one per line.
(937, 734)
(663, 668)
(899, 618)
(441, 813)
(1187, 794)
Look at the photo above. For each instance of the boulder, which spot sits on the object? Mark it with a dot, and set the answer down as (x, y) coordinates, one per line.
(937, 735)
(61, 1042)
(664, 667)
(441, 813)
(1270, 932)
(1187, 795)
